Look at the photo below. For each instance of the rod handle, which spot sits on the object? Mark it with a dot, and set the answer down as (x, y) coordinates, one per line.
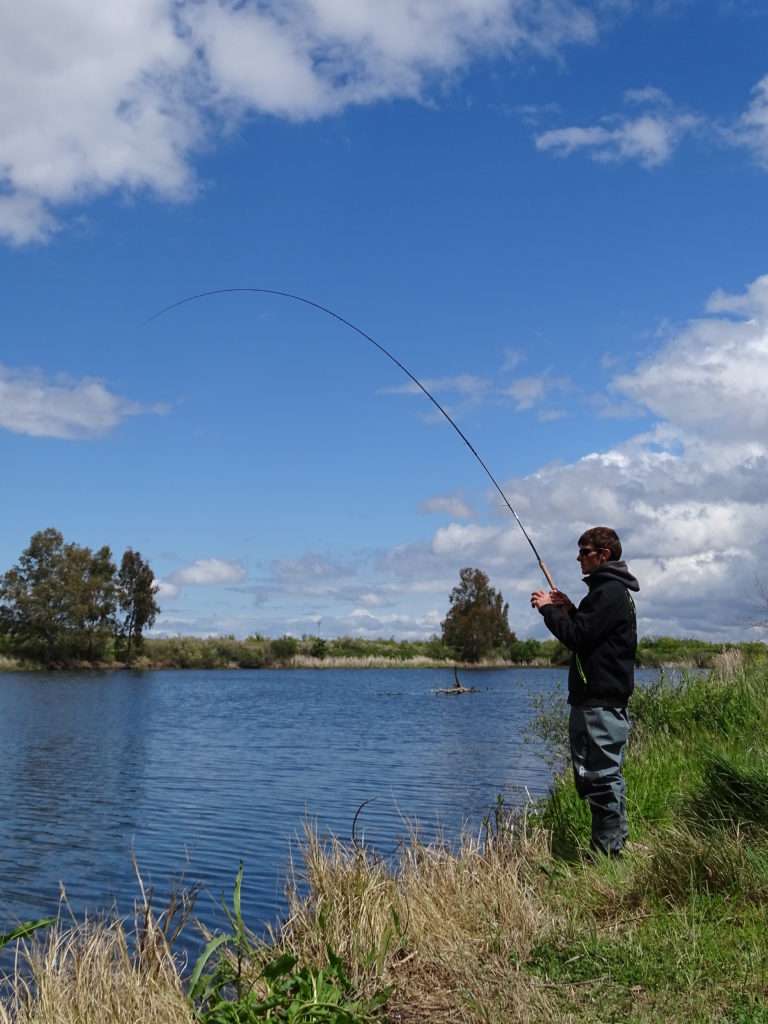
(547, 575)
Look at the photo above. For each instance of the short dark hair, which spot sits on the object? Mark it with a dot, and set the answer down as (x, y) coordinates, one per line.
(602, 537)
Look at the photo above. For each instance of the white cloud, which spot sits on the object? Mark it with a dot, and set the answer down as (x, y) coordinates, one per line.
(167, 591)
(311, 567)
(364, 623)
(208, 572)
(751, 129)
(465, 385)
(118, 96)
(688, 496)
(71, 410)
(712, 377)
(529, 391)
(648, 94)
(464, 540)
(652, 136)
(95, 97)
(447, 505)
(649, 138)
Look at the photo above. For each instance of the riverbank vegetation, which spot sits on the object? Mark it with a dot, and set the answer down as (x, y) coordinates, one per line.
(312, 652)
(515, 924)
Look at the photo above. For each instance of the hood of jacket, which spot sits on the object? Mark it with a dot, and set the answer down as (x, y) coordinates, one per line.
(612, 571)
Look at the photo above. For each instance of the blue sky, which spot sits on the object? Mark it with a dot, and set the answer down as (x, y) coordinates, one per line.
(553, 213)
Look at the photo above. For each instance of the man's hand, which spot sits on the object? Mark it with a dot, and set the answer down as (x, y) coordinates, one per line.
(541, 598)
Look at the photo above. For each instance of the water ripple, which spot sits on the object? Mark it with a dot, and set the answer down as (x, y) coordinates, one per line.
(195, 771)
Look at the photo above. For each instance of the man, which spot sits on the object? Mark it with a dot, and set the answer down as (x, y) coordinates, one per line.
(602, 636)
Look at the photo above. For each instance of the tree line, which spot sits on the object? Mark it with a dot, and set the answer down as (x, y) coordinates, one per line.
(64, 602)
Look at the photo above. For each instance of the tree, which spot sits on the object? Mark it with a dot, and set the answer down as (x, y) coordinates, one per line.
(136, 591)
(59, 600)
(32, 612)
(476, 624)
(284, 648)
(89, 601)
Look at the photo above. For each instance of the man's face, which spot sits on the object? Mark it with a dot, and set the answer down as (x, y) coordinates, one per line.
(592, 558)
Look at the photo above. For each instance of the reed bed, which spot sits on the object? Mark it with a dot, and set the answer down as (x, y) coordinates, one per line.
(373, 661)
(368, 661)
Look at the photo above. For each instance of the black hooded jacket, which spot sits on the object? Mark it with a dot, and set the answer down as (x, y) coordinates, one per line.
(602, 634)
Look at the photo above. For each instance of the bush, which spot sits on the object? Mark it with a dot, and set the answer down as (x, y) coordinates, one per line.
(284, 648)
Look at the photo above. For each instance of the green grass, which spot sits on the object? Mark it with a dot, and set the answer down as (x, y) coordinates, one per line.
(697, 962)
(678, 929)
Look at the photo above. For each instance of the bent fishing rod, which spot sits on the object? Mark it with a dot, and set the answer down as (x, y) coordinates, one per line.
(395, 360)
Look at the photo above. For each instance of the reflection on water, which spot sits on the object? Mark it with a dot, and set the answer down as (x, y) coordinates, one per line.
(195, 771)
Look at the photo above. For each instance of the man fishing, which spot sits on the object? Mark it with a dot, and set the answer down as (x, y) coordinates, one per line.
(602, 636)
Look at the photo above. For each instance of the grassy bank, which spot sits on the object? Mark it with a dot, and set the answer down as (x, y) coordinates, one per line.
(515, 925)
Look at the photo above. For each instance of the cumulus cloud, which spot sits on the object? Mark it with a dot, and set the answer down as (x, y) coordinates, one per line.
(649, 137)
(107, 97)
(713, 376)
(208, 572)
(72, 410)
(688, 495)
(94, 98)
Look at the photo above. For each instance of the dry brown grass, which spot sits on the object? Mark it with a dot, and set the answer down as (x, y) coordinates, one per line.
(377, 661)
(86, 974)
(728, 664)
(445, 929)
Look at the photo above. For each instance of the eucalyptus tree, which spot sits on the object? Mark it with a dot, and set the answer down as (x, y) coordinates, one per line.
(59, 600)
(136, 592)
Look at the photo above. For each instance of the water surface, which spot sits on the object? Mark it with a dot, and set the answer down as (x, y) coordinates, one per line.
(195, 771)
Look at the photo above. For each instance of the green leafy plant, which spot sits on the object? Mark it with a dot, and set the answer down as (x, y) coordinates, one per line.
(231, 993)
(26, 928)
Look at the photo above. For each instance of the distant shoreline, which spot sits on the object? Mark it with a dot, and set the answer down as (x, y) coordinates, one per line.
(346, 652)
(299, 662)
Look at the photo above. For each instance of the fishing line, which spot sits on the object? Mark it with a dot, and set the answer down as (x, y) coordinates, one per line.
(395, 360)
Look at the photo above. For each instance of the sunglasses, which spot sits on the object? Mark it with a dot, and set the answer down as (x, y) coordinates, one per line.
(583, 552)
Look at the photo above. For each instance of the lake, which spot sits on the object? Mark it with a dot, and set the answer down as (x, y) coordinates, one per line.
(195, 771)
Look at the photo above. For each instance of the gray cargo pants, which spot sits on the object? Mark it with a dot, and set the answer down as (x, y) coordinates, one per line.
(598, 737)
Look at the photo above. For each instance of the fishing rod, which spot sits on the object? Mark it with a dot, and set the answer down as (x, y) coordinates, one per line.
(388, 354)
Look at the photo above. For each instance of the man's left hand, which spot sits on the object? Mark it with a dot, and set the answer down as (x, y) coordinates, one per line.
(540, 599)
